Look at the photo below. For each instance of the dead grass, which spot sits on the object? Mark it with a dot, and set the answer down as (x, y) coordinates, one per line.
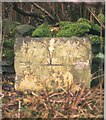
(87, 103)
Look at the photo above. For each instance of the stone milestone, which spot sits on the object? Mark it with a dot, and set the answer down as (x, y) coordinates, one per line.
(52, 63)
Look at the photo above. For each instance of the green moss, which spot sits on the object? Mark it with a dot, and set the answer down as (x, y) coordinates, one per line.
(63, 23)
(8, 43)
(42, 30)
(8, 51)
(80, 20)
(74, 29)
(101, 17)
(95, 39)
(7, 54)
(95, 29)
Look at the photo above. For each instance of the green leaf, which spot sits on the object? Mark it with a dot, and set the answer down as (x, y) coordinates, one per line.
(100, 56)
(8, 43)
(101, 17)
(80, 20)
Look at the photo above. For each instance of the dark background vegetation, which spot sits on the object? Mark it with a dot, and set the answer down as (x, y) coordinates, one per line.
(51, 12)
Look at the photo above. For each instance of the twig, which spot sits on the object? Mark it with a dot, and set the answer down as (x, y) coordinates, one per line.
(55, 94)
(45, 11)
(52, 6)
(101, 83)
(89, 105)
(26, 13)
(62, 7)
(96, 17)
(74, 116)
(31, 10)
(96, 108)
(34, 94)
(101, 35)
(80, 95)
(45, 105)
(97, 76)
(96, 72)
(1, 95)
(58, 17)
(81, 111)
(61, 114)
(19, 109)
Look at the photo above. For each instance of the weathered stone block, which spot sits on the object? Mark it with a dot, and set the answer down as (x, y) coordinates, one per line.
(52, 63)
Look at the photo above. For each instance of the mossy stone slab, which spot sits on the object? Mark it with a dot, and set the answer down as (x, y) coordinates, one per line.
(52, 63)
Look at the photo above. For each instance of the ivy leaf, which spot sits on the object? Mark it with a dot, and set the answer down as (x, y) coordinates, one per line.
(100, 56)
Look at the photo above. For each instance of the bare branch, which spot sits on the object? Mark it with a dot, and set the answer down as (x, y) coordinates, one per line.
(43, 10)
(96, 17)
(26, 13)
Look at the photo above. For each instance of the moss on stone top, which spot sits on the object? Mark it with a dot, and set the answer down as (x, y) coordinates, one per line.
(80, 28)
(80, 20)
(63, 23)
(74, 29)
(42, 30)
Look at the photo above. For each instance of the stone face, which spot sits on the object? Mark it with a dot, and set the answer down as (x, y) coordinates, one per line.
(52, 63)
